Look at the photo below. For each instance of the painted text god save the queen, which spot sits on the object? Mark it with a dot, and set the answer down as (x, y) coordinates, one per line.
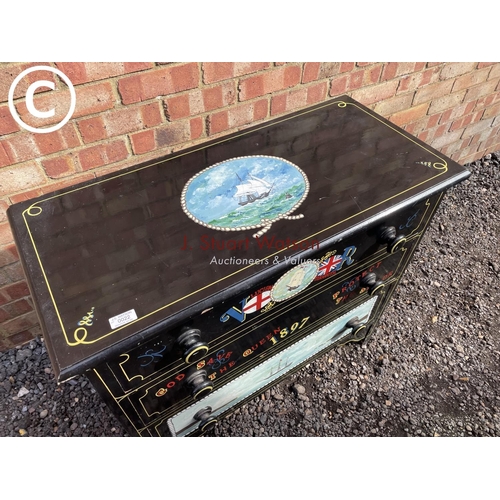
(265, 242)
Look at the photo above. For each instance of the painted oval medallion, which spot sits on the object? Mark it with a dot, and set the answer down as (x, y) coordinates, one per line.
(248, 192)
(294, 281)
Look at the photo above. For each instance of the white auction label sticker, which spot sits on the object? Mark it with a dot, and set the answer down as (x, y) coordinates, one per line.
(122, 319)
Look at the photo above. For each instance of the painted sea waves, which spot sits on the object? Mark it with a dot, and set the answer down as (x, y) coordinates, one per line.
(245, 193)
(270, 208)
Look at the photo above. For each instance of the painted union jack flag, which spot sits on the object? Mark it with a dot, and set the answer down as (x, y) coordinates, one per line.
(330, 265)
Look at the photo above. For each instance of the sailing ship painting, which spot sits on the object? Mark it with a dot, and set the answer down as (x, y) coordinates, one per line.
(247, 192)
(294, 281)
(252, 190)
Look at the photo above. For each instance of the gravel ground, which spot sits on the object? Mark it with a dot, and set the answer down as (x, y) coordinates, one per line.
(432, 367)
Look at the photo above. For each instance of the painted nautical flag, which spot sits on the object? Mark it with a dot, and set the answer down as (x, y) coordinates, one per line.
(329, 265)
(257, 302)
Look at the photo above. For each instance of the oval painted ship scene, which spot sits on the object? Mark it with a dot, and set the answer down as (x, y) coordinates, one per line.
(294, 281)
(249, 192)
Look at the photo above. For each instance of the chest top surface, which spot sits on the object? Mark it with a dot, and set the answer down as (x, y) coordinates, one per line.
(110, 258)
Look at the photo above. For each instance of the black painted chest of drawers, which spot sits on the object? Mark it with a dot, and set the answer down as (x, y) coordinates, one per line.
(185, 286)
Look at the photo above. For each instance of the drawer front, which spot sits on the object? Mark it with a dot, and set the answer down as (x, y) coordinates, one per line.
(252, 381)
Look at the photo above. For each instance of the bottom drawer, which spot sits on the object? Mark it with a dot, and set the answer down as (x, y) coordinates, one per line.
(203, 414)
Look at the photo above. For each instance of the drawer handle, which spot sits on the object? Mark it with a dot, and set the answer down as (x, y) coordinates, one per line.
(207, 422)
(358, 328)
(373, 284)
(192, 345)
(199, 384)
(394, 241)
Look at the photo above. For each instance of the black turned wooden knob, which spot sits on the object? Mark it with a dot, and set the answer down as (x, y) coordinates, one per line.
(207, 422)
(394, 241)
(387, 234)
(373, 284)
(358, 328)
(369, 280)
(192, 345)
(199, 384)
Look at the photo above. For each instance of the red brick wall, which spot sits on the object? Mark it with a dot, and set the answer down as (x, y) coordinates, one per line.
(128, 112)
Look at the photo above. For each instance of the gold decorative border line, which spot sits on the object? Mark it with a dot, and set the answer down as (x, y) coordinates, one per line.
(80, 334)
(427, 205)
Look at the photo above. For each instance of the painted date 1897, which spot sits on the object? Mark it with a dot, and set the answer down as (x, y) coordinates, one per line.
(276, 335)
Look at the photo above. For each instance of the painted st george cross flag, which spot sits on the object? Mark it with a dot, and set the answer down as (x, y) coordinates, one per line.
(257, 302)
(329, 265)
